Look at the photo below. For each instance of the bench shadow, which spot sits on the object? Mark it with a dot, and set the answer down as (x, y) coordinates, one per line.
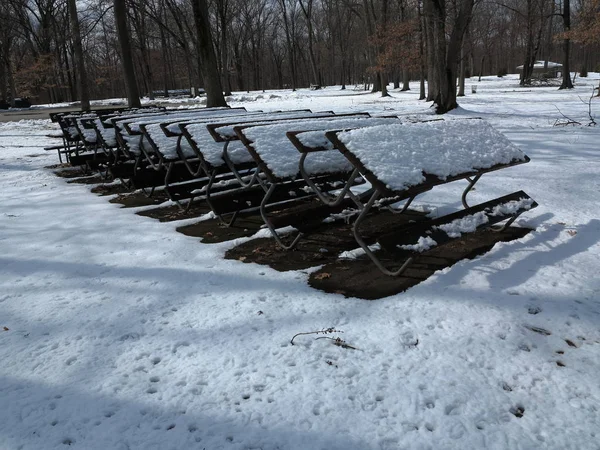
(582, 238)
(522, 269)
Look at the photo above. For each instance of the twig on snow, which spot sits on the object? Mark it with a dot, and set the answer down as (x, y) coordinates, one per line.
(566, 121)
(323, 331)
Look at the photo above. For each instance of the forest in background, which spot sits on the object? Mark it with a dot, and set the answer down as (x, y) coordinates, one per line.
(264, 44)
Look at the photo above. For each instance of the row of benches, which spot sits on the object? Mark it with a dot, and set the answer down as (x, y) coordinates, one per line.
(241, 162)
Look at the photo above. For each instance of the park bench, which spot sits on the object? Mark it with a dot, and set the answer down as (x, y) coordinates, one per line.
(278, 163)
(414, 158)
(191, 145)
(72, 136)
(164, 145)
(123, 140)
(217, 148)
(171, 151)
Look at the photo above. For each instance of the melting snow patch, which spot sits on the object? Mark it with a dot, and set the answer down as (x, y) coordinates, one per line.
(422, 245)
(353, 254)
(511, 207)
(466, 224)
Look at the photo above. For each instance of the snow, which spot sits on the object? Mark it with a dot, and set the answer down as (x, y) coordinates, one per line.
(466, 224)
(168, 144)
(108, 134)
(282, 158)
(227, 131)
(423, 244)
(121, 333)
(511, 207)
(175, 128)
(212, 151)
(134, 125)
(440, 148)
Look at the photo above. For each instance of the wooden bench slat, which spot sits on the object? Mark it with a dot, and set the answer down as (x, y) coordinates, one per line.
(431, 229)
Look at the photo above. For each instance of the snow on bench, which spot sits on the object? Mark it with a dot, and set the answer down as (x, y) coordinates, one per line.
(131, 130)
(227, 131)
(281, 157)
(424, 236)
(133, 126)
(167, 145)
(212, 151)
(174, 127)
(401, 154)
(108, 134)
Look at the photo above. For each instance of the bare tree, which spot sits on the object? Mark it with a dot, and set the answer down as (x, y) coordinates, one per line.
(444, 54)
(82, 80)
(207, 60)
(566, 70)
(133, 96)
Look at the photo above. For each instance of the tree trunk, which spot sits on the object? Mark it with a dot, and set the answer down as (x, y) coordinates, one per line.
(307, 12)
(11, 83)
(222, 13)
(165, 71)
(422, 61)
(566, 79)
(461, 75)
(445, 54)
(383, 27)
(82, 82)
(432, 83)
(405, 80)
(481, 66)
(207, 60)
(133, 96)
(3, 79)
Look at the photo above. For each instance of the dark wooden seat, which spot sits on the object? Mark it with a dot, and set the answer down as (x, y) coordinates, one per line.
(423, 236)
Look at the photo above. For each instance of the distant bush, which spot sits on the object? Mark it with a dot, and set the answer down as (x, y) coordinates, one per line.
(583, 73)
(501, 72)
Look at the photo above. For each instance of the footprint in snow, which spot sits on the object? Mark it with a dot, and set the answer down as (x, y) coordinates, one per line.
(518, 411)
(538, 330)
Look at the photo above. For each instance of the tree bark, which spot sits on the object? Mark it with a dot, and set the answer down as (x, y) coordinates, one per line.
(133, 96)
(383, 27)
(82, 80)
(461, 74)
(307, 12)
(566, 79)
(405, 80)
(445, 54)
(207, 60)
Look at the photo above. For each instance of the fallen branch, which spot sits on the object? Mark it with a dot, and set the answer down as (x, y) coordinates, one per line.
(589, 103)
(339, 342)
(567, 120)
(323, 331)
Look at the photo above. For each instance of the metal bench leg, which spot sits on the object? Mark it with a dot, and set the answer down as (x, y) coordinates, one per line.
(472, 183)
(245, 184)
(263, 213)
(365, 247)
(328, 199)
(194, 172)
(167, 190)
(504, 226)
(404, 208)
(209, 202)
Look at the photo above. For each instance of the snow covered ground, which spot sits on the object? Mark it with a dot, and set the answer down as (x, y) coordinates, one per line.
(116, 332)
